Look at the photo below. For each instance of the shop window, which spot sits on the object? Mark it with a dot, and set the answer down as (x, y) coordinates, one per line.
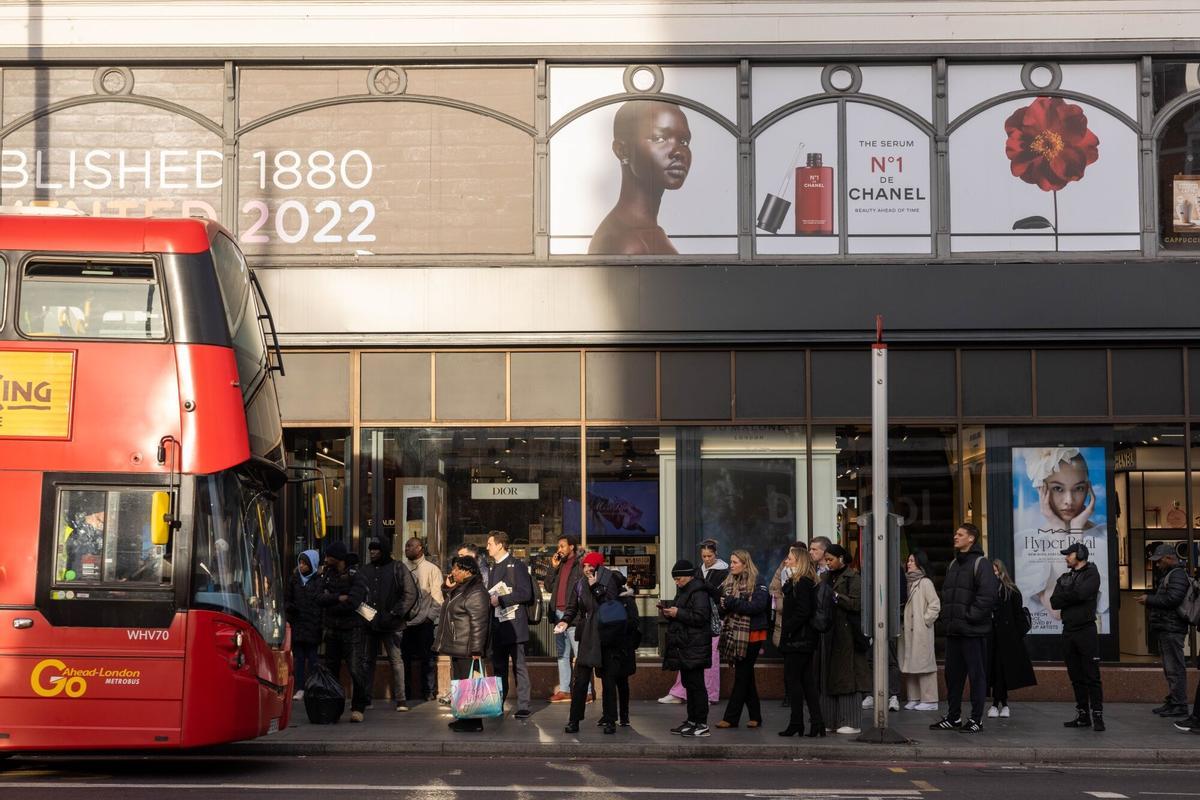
(770, 384)
(1178, 156)
(921, 383)
(841, 383)
(451, 486)
(696, 385)
(997, 383)
(395, 386)
(1072, 383)
(1147, 382)
(316, 459)
(1150, 508)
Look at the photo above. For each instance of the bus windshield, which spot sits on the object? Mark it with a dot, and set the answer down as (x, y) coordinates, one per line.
(91, 300)
(235, 557)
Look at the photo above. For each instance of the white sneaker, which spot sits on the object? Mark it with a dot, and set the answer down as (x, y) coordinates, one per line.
(893, 703)
(993, 712)
(846, 730)
(670, 699)
(910, 705)
(868, 701)
(299, 695)
(926, 707)
(1004, 712)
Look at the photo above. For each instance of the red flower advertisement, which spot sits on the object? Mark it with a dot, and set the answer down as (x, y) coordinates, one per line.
(1049, 145)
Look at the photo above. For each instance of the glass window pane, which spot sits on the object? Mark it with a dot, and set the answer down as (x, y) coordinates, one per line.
(106, 539)
(89, 300)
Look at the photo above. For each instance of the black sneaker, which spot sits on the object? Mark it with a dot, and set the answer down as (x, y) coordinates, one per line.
(1187, 724)
(600, 723)
(972, 726)
(1097, 721)
(1082, 720)
(682, 730)
(1164, 707)
(522, 714)
(946, 724)
(696, 731)
(1176, 711)
(624, 723)
(401, 706)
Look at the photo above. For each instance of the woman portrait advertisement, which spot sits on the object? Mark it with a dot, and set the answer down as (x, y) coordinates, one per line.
(1058, 499)
(652, 144)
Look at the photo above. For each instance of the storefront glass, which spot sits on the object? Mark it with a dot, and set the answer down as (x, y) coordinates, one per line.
(318, 479)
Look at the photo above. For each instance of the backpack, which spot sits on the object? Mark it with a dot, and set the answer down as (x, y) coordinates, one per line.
(1189, 609)
(714, 617)
(611, 618)
(414, 605)
(822, 616)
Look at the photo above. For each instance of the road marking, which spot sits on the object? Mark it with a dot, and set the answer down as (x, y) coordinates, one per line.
(925, 786)
(1109, 795)
(897, 770)
(444, 787)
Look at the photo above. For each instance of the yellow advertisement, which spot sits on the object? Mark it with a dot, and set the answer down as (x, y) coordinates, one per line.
(35, 394)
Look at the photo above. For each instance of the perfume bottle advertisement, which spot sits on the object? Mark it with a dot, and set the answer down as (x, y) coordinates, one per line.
(887, 175)
(796, 184)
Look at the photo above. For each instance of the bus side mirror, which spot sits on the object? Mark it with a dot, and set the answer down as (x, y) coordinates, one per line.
(319, 515)
(160, 518)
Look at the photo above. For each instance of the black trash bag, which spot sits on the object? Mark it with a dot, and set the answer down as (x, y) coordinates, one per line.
(324, 697)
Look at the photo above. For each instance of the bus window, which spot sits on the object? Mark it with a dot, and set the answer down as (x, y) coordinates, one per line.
(104, 538)
(241, 310)
(234, 566)
(90, 300)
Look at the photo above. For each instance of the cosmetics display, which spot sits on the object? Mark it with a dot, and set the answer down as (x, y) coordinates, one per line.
(814, 197)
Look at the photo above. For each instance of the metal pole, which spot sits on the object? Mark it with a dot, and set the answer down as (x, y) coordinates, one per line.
(879, 518)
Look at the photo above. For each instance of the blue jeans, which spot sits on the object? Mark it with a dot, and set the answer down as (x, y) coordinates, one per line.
(565, 646)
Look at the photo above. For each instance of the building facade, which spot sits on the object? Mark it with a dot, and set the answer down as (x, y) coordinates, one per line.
(613, 271)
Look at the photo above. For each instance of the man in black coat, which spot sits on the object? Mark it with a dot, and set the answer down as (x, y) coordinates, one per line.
(342, 591)
(689, 643)
(968, 595)
(1075, 596)
(392, 594)
(510, 622)
(1169, 628)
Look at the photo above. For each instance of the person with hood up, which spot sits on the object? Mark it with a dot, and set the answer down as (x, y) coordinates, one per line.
(462, 631)
(595, 587)
(969, 594)
(304, 615)
(713, 571)
(342, 590)
(1075, 596)
(689, 643)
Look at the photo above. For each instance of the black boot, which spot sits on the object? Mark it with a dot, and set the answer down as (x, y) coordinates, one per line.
(1082, 720)
(816, 729)
(1097, 721)
(792, 730)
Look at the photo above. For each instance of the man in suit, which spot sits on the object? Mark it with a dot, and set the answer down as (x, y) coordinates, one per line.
(510, 622)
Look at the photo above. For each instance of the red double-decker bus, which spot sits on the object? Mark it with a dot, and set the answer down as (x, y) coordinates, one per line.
(141, 596)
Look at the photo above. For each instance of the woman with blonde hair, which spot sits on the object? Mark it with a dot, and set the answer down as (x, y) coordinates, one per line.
(745, 608)
(921, 609)
(798, 643)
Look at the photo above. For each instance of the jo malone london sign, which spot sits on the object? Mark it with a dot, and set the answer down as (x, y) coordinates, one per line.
(504, 491)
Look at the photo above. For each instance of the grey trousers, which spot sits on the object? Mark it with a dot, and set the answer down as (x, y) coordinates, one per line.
(501, 655)
(841, 710)
(391, 649)
(1170, 645)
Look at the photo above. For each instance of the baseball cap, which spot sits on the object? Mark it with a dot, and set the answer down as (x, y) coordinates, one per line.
(1162, 550)
(1079, 549)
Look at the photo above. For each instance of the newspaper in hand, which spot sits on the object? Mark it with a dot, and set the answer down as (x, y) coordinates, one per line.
(503, 614)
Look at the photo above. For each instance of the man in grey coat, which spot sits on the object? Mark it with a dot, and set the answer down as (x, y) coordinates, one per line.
(1168, 628)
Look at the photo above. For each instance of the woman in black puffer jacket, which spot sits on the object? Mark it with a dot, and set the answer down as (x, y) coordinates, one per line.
(798, 643)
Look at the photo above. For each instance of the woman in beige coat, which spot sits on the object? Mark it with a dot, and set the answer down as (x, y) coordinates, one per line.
(917, 661)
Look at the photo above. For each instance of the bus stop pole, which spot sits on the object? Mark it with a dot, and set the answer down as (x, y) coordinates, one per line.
(881, 569)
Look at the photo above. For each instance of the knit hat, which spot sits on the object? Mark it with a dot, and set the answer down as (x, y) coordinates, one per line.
(593, 559)
(336, 551)
(683, 569)
(374, 544)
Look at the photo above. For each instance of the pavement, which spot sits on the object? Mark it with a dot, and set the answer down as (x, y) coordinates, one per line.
(1033, 735)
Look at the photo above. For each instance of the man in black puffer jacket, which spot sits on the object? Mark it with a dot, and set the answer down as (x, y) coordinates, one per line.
(689, 643)
(1075, 596)
(968, 594)
(1168, 628)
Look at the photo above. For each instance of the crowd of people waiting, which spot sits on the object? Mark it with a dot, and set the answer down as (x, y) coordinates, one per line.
(722, 612)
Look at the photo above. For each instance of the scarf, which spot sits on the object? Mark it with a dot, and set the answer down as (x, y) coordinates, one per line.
(914, 577)
(735, 628)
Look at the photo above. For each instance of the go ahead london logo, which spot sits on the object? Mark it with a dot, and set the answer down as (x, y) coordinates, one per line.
(53, 678)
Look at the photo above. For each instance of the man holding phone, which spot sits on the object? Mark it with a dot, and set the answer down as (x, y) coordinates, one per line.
(566, 568)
